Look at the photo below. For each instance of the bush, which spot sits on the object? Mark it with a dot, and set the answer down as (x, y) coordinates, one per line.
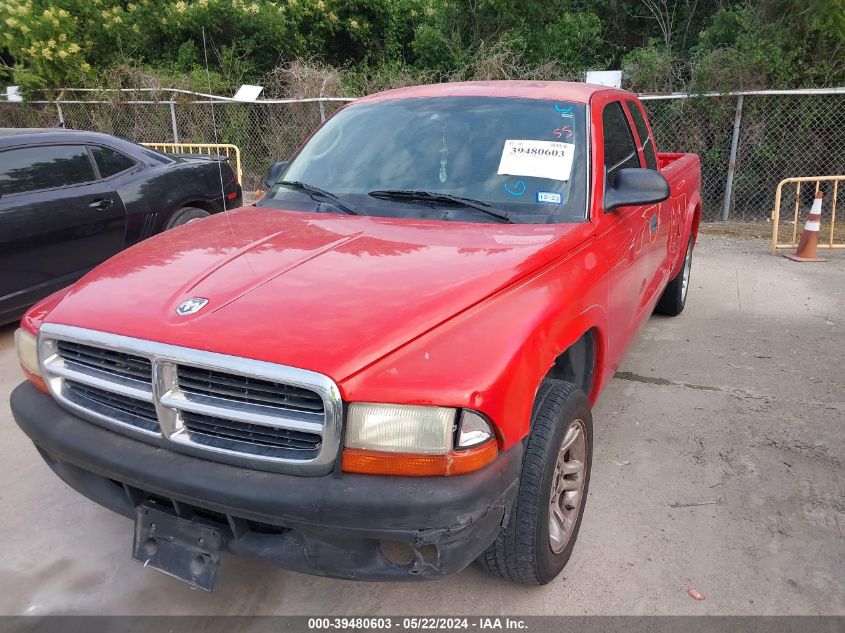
(45, 42)
(713, 46)
(652, 69)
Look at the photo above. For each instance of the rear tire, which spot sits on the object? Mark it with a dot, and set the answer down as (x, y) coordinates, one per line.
(543, 525)
(674, 296)
(185, 215)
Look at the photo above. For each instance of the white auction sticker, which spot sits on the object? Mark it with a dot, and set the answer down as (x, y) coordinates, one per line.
(537, 159)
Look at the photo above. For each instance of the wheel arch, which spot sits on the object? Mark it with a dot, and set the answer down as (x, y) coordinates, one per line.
(165, 217)
(696, 222)
(580, 356)
(577, 363)
(694, 217)
(199, 204)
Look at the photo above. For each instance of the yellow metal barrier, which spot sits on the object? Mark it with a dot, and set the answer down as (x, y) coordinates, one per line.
(224, 149)
(830, 242)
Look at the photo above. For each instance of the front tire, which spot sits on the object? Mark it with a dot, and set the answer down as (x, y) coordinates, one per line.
(540, 535)
(674, 296)
(185, 215)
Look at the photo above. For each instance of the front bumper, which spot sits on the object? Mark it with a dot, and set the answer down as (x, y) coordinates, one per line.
(360, 527)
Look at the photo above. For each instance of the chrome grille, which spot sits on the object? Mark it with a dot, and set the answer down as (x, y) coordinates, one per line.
(251, 438)
(215, 384)
(232, 409)
(118, 363)
(127, 410)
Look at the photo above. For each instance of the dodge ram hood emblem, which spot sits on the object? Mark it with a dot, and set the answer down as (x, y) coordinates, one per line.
(190, 306)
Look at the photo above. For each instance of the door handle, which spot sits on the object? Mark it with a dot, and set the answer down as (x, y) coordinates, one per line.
(101, 204)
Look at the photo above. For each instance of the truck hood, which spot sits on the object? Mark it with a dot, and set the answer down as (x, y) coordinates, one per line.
(328, 293)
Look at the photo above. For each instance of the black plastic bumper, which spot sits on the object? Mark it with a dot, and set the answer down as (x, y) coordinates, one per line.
(346, 526)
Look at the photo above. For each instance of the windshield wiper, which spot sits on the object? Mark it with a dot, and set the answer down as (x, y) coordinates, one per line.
(434, 196)
(336, 200)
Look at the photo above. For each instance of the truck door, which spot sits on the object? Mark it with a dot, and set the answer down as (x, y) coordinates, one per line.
(660, 223)
(58, 219)
(623, 232)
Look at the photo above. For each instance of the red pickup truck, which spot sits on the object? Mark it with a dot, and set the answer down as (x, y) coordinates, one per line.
(384, 369)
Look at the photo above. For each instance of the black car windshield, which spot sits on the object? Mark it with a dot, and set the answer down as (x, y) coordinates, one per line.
(521, 158)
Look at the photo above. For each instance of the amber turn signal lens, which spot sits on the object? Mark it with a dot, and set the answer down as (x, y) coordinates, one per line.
(38, 381)
(357, 460)
(26, 344)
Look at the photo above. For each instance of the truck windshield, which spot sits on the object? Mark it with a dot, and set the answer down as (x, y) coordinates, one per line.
(446, 158)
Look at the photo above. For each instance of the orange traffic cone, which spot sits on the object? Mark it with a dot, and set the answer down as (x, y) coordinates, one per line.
(810, 237)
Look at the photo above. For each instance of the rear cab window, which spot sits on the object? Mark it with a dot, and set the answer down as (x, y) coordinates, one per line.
(27, 169)
(110, 162)
(620, 150)
(646, 141)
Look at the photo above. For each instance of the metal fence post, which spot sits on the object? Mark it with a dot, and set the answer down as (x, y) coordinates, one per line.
(173, 120)
(726, 206)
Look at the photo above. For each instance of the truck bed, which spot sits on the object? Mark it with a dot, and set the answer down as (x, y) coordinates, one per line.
(664, 159)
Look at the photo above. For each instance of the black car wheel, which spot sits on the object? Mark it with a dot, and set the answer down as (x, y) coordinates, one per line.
(185, 215)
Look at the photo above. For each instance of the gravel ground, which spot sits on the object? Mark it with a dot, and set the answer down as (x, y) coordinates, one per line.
(718, 466)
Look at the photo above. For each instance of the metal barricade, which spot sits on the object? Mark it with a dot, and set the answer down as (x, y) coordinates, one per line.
(224, 149)
(833, 239)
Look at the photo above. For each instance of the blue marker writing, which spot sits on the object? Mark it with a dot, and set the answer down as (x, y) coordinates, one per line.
(566, 113)
(518, 188)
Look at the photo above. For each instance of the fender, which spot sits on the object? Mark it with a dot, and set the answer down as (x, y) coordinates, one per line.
(691, 220)
(493, 357)
(694, 215)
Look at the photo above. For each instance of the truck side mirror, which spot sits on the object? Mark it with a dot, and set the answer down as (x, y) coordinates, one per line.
(274, 172)
(636, 186)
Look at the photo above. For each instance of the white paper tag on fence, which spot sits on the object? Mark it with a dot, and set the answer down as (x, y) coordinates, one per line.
(537, 159)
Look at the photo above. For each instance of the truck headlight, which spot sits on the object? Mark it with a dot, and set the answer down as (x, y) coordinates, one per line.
(416, 440)
(26, 345)
(400, 428)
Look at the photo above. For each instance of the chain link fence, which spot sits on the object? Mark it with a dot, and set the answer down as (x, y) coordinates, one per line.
(776, 135)
(264, 131)
(767, 135)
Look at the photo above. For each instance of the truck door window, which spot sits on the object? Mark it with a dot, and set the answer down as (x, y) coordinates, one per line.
(646, 143)
(35, 168)
(620, 151)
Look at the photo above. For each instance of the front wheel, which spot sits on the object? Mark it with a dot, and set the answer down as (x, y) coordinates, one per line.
(540, 534)
(674, 296)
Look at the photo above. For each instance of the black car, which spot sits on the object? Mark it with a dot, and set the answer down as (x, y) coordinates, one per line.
(71, 199)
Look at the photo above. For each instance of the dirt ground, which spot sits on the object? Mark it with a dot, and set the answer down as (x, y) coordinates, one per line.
(718, 466)
(787, 233)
